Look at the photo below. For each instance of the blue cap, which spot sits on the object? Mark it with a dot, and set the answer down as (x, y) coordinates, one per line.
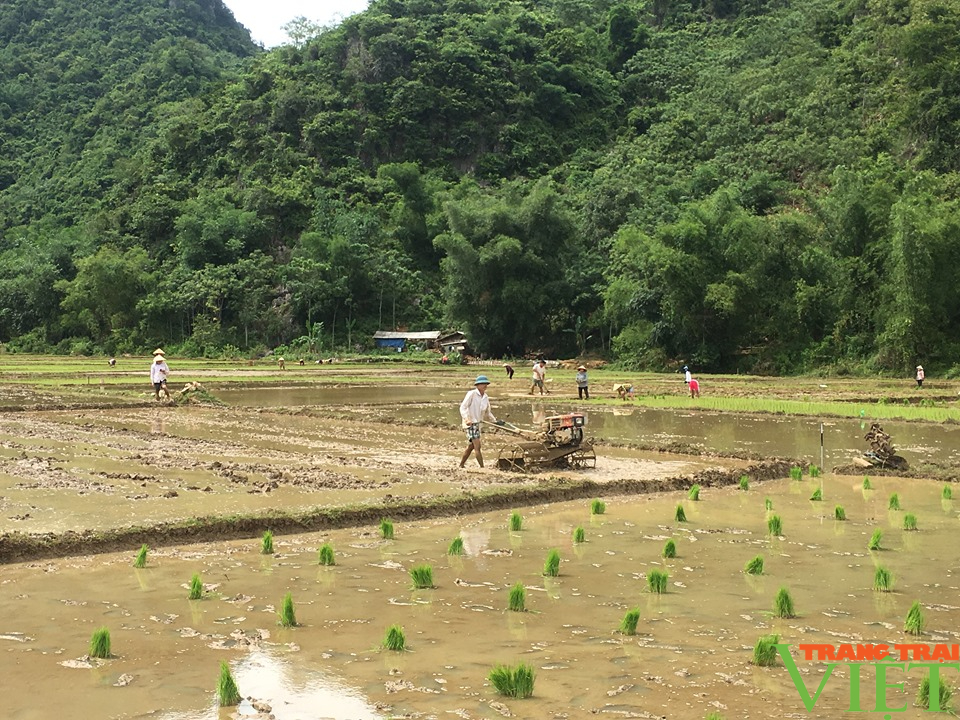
(481, 380)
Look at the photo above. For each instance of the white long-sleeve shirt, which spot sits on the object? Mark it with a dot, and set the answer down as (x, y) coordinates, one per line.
(158, 372)
(475, 407)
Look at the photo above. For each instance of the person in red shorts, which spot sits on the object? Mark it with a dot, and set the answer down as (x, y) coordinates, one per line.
(694, 388)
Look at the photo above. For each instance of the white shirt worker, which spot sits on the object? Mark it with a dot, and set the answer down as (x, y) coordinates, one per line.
(475, 407)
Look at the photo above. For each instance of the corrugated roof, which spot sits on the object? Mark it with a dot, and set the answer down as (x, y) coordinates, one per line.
(388, 335)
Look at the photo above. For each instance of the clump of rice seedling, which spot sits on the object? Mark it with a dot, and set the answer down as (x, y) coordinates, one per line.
(669, 549)
(694, 493)
(866, 483)
(516, 522)
(227, 692)
(814, 471)
(767, 504)
(754, 566)
(395, 639)
(944, 693)
(325, 556)
(598, 507)
(266, 543)
(783, 604)
(100, 643)
(456, 546)
(714, 716)
(839, 513)
(515, 682)
(775, 525)
(947, 493)
(914, 621)
(287, 617)
(518, 598)
(551, 568)
(875, 539)
(894, 503)
(657, 581)
(386, 529)
(422, 576)
(744, 482)
(196, 587)
(579, 535)
(765, 651)
(796, 473)
(909, 521)
(817, 495)
(141, 560)
(882, 579)
(628, 626)
(680, 515)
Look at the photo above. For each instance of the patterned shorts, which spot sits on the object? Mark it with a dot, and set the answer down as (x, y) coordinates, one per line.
(473, 432)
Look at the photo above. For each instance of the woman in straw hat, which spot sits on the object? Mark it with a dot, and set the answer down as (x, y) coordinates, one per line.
(583, 385)
(474, 408)
(158, 374)
(920, 375)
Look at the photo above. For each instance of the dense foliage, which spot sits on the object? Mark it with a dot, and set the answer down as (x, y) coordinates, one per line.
(755, 185)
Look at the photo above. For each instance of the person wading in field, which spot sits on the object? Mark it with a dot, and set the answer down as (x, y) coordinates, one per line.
(473, 410)
(158, 374)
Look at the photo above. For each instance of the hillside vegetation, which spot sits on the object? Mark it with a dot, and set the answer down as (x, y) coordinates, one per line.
(752, 186)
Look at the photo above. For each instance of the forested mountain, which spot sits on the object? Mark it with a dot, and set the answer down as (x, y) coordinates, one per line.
(764, 186)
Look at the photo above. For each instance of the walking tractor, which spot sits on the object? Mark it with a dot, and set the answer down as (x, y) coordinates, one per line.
(558, 442)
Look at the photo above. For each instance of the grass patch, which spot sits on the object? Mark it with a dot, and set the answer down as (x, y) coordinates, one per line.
(227, 692)
(765, 651)
(814, 471)
(775, 525)
(875, 539)
(796, 473)
(657, 581)
(515, 682)
(744, 482)
(518, 598)
(325, 556)
(196, 587)
(386, 529)
(866, 483)
(947, 493)
(783, 604)
(100, 643)
(694, 493)
(754, 566)
(141, 560)
(941, 701)
(817, 495)
(422, 576)
(894, 503)
(395, 639)
(839, 513)
(288, 617)
(579, 534)
(266, 543)
(914, 621)
(516, 522)
(628, 626)
(680, 515)
(598, 507)
(669, 549)
(882, 579)
(767, 504)
(909, 521)
(551, 567)
(456, 546)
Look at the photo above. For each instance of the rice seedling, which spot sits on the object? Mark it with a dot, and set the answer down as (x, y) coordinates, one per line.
(765, 651)
(395, 639)
(754, 566)
(669, 549)
(515, 682)
(839, 513)
(694, 493)
(657, 581)
(141, 560)
(875, 539)
(100, 643)
(744, 482)
(196, 587)
(628, 626)
(714, 716)
(767, 504)
(941, 700)
(598, 507)
(894, 503)
(287, 616)
(882, 579)
(516, 522)
(817, 495)
(914, 621)
(266, 543)
(325, 556)
(456, 546)
(775, 525)
(518, 598)
(796, 473)
(947, 493)
(551, 568)
(680, 515)
(814, 471)
(422, 576)
(386, 529)
(579, 535)
(783, 604)
(866, 483)
(909, 521)
(227, 692)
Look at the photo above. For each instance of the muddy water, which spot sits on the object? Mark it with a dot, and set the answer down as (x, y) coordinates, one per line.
(690, 655)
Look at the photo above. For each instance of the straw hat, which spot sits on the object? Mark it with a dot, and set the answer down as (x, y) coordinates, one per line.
(581, 367)
(481, 380)
(919, 367)
(158, 359)
(158, 351)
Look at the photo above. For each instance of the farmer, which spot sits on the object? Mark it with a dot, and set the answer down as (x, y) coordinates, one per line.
(281, 363)
(920, 375)
(624, 391)
(538, 374)
(694, 388)
(583, 388)
(508, 368)
(687, 377)
(474, 408)
(543, 374)
(158, 374)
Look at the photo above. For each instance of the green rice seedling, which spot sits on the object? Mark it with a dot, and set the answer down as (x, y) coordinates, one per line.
(669, 549)
(579, 535)
(783, 604)
(395, 639)
(882, 579)
(875, 539)
(516, 522)
(866, 483)
(767, 504)
(141, 560)
(714, 716)
(744, 482)
(551, 568)
(814, 471)
(775, 525)
(196, 587)
(287, 616)
(894, 503)
(680, 515)
(456, 546)
(944, 693)
(694, 493)
(386, 529)
(598, 507)
(518, 598)
(628, 626)
(227, 692)
(947, 493)
(266, 543)
(515, 682)
(100, 643)
(839, 513)
(817, 495)
(754, 566)
(325, 556)
(765, 651)
(657, 581)
(422, 576)
(914, 621)
(909, 521)
(796, 473)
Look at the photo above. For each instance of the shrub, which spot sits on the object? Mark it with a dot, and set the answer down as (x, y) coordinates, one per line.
(783, 604)
(141, 560)
(754, 566)
(518, 598)
(100, 643)
(266, 543)
(287, 617)
(551, 568)
(914, 621)
(227, 692)
(628, 626)
(422, 576)
(516, 682)
(395, 639)
(657, 581)
(669, 549)
(765, 651)
(694, 493)
(325, 556)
